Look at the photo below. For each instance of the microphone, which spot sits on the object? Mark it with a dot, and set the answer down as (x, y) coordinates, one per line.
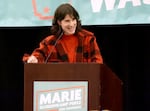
(53, 48)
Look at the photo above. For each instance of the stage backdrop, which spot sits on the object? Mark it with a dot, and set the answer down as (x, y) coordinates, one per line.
(92, 12)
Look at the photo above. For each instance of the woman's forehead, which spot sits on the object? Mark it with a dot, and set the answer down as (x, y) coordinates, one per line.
(69, 16)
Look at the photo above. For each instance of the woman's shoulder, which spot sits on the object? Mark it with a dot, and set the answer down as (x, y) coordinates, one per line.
(48, 39)
(85, 33)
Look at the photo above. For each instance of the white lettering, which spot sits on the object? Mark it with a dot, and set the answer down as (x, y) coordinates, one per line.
(96, 5)
(110, 4)
(78, 94)
(45, 99)
(146, 1)
(56, 97)
(49, 106)
(63, 96)
(75, 103)
(122, 3)
(72, 95)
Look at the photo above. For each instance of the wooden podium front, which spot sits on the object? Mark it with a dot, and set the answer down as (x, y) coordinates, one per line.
(104, 87)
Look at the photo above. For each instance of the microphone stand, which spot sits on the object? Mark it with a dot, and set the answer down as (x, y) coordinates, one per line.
(53, 48)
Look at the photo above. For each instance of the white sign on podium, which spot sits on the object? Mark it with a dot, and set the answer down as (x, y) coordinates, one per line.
(60, 96)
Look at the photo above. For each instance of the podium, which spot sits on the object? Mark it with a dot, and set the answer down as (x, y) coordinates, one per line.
(104, 87)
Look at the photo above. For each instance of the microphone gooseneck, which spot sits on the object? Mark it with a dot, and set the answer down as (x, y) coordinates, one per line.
(53, 48)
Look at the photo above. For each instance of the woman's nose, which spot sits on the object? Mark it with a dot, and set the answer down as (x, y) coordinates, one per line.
(72, 22)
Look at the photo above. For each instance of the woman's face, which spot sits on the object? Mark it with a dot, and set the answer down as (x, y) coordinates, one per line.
(68, 25)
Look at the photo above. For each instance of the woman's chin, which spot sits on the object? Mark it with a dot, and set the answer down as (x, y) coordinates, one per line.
(70, 33)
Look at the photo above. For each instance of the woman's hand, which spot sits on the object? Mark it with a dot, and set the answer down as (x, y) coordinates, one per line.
(32, 59)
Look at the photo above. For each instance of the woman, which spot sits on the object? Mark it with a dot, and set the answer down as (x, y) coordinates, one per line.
(68, 42)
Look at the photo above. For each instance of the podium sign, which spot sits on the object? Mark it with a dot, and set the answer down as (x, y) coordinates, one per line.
(60, 96)
(104, 87)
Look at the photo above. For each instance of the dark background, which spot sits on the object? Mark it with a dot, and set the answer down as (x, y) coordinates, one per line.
(125, 49)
